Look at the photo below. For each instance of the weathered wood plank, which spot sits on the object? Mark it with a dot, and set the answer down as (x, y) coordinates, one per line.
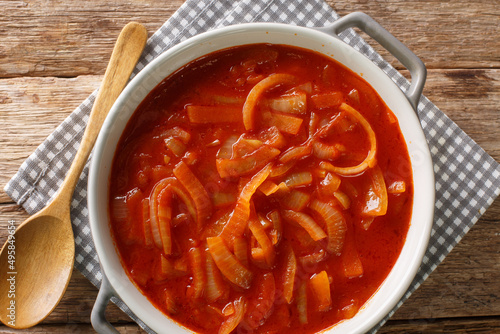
(471, 98)
(444, 34)
(467, 282)
(71, 38)
(455, 326)
(31, 108)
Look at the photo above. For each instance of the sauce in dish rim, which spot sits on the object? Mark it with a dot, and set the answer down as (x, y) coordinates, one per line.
(261, 188)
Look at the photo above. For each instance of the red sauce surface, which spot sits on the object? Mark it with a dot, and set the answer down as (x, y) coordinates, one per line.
(225, 78)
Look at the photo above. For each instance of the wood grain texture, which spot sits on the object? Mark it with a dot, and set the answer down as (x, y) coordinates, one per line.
(31, 108)
(53, 55)
(455, 326)
(444, 34)
(69, 38)
(66, 38)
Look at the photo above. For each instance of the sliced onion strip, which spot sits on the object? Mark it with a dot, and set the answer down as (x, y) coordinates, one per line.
(376, 197)
(148, 237)
(289, 275)
(324, 151)
(295, 153)
(302, 302)
(228, 264)
(254, 96)
(215, 286)
(296, 200)
(336, 226)
(176, 189)
(238, 220)
(370, 159)
(197, 268)
(165, 218)
(196, 190)
(247, 164)
(265, 243)
(295, 103)
(299, 179)
(240, 306)
(306, 222)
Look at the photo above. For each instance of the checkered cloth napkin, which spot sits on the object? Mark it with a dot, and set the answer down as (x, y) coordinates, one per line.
(467, 178)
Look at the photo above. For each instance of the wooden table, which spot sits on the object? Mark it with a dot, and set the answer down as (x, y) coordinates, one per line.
(53, 55)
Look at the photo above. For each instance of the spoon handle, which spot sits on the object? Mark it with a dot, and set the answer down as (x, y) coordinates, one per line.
(126, 53)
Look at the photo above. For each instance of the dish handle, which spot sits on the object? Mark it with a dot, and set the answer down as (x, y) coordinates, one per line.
(368, 25)
(98, 318)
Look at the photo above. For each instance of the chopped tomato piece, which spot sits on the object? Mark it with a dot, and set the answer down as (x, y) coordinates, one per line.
(329, 185)
(351, 261)
(285, 123)
(273, 137)
(214, 114)
(260, 308)
(268, 187)
(327, 100)
(320, 286)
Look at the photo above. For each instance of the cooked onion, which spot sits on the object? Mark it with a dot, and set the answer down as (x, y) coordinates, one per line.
(370, 159)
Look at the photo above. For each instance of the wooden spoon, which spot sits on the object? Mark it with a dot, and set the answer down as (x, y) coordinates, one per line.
(42, 249)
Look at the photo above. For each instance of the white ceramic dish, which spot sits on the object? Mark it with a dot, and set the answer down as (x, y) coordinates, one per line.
(325, 41)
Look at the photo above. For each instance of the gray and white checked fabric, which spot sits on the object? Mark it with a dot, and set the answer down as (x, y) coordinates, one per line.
(467, 178)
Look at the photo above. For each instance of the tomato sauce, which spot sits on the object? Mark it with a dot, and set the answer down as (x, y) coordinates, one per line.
(262, 188)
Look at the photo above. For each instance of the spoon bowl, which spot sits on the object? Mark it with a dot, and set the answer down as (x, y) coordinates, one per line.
(43, 265)
(38, 258)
